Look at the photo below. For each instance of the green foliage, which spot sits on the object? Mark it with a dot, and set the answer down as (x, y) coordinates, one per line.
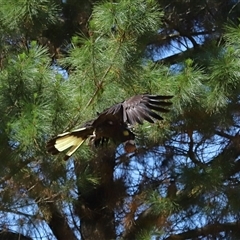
(108, 190)
(224, 79)
(108, 61)
(30, 96)
(26, 14)
(160, 205)
(189, 86)
(129, 18)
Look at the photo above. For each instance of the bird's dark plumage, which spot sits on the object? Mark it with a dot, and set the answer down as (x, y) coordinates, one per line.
(113, 123)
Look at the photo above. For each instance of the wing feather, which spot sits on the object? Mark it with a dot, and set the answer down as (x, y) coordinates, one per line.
(72, 140)
(155, 115)
(145, 107)
(161, 103)
(134, 116)
(135, 110)
(115, 109)
(143, 113)
(114, 113)
(158, 97)
(157, 108)
(74, 148)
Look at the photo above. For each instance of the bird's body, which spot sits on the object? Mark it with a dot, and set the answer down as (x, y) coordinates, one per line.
(113, 123)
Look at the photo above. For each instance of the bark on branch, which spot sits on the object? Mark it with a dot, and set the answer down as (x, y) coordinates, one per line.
(207, 230)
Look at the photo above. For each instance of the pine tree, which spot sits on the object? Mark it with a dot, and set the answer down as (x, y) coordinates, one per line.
(62, 62)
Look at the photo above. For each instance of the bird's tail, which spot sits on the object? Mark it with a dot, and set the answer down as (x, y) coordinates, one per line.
(72, 140)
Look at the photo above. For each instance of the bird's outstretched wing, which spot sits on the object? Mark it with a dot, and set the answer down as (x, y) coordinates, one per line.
(137, 109)
(112, 123)
(72, 140)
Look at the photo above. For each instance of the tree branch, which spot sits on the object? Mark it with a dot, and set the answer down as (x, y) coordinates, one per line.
(59, 225)
(207, 230)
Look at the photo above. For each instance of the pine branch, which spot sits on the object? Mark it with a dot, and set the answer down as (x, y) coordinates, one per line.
(100, 83)
(146, 221)
(211, 229)
(191, 153)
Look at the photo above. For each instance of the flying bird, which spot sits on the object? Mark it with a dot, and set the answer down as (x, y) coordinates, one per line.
(113, 123)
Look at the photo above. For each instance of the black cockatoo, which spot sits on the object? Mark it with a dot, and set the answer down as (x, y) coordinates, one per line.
(113, 123)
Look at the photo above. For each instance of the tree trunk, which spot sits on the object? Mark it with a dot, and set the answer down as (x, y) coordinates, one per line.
(96, 207)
